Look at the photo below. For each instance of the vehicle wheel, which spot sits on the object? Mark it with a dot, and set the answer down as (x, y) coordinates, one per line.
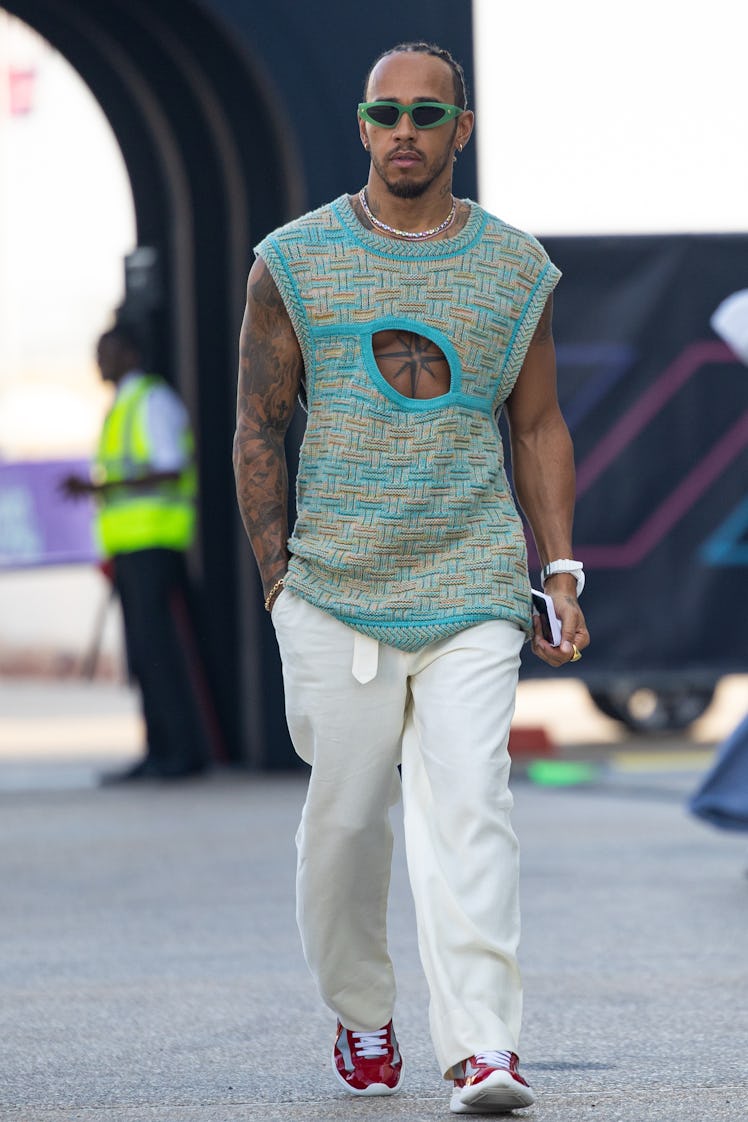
(644, 708)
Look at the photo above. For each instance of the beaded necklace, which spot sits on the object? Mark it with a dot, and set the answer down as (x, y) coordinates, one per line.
(409, 235)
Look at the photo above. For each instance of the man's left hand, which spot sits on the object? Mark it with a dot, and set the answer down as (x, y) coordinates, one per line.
(574, 634)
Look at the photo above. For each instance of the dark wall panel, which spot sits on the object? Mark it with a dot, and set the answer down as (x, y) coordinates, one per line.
(657, 406)
(316, 56)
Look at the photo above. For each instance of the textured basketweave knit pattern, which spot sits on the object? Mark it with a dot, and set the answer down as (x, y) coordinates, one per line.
(406, 528)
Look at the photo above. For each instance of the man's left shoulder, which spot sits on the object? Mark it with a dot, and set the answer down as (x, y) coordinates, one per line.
(515, 239)
(305, 226)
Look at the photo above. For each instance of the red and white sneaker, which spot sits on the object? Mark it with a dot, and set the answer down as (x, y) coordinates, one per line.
(368, 1063)
(490, 1084)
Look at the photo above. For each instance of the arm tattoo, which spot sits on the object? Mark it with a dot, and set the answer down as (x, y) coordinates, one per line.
(270, 371)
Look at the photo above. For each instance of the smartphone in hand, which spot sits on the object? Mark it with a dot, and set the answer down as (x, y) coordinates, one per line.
(550, 624)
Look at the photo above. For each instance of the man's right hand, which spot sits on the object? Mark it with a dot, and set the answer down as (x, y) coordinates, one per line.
(74, 486)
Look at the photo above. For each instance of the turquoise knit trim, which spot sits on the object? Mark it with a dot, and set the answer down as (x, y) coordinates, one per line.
(415, 636)
(411, 404)
(287, 286)
(387, 247)
(418, 631)
(524, 329)
(521, 320)
(271, 254)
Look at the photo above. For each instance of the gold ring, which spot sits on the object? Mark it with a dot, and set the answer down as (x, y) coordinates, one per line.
(577, 653)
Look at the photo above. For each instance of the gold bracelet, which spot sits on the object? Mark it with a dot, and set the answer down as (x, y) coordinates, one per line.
(272, 594)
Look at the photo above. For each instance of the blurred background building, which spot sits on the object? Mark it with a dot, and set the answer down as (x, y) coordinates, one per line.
(147, 145)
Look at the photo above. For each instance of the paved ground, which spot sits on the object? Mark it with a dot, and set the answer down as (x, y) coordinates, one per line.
(150, 969)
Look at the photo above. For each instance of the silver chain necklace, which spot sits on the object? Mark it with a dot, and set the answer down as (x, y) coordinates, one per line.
(409, 235)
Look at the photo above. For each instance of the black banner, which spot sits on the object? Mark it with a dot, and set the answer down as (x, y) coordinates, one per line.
(657, 406)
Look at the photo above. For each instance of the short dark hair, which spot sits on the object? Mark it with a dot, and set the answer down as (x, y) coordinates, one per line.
(458, 74)
(127, 336)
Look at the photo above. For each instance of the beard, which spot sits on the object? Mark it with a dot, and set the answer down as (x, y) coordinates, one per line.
(408, 190)
(413, 189)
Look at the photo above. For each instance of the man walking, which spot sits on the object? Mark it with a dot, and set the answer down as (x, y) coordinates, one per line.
(407, 319)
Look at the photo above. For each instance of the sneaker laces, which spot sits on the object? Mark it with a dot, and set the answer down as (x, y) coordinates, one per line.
(371, 1044)
(494, 1059)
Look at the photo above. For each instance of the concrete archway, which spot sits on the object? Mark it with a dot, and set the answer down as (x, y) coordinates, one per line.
(210, 172)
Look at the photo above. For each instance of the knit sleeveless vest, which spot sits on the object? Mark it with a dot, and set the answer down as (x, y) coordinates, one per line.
(406, 528)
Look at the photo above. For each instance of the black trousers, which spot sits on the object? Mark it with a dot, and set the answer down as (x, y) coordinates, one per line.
(162, 655)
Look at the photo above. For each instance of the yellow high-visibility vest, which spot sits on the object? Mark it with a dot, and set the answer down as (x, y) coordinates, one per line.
(127, 520)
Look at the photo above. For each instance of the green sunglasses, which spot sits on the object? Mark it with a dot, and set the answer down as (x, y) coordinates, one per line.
(424, 114)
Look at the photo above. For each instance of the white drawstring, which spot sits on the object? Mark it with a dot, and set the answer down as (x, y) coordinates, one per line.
(370, 1044)
(495, 1059)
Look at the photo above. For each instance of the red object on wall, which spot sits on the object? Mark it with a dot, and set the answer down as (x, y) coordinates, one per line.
(21, 82)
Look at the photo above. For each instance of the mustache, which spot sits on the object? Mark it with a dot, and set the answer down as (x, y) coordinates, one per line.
(405, 150)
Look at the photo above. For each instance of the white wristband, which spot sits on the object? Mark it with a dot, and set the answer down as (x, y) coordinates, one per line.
(564, 565)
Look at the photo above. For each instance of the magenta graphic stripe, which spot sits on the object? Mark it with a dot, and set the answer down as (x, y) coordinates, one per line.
(672, 509)
(688, 362)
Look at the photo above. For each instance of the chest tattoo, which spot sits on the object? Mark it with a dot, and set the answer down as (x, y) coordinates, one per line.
(411, 363)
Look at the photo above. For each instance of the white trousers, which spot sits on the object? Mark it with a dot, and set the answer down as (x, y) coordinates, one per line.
(355, 710)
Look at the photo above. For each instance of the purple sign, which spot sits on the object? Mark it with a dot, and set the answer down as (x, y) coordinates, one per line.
(38, 524)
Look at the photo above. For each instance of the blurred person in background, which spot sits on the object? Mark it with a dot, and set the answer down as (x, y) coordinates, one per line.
(722, 795)
(144, 482)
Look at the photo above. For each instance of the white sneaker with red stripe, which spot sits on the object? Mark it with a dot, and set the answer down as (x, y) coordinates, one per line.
(490, 1084)
(368, 1063)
